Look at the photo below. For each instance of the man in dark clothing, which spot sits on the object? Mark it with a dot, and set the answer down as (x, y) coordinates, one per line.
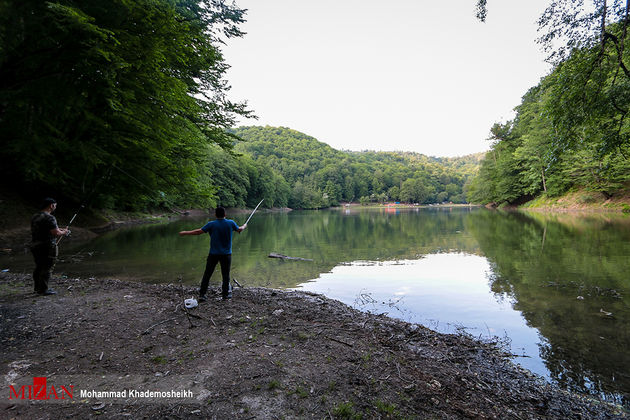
(220, 231)
(44, 231)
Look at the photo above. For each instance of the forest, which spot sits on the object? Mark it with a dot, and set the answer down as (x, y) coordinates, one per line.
(115, 103)
(287, 168)
(311, 174)
(124, 105)
(571, 131)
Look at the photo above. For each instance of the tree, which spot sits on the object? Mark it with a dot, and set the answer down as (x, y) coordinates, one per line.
(534, 128)
(135, 86)
(413, 191)
(350, 175)
(588, 41)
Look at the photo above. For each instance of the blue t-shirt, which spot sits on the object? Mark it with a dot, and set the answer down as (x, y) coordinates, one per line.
(220, 231)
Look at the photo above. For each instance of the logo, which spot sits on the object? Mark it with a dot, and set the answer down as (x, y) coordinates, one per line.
(40, 391)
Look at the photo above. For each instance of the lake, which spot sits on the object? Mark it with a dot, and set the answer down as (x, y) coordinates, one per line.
(553, 289)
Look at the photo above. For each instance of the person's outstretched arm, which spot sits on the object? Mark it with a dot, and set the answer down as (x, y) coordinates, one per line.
(191, 232)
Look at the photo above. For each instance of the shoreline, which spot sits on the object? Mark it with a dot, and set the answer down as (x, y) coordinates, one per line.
(262, 354)
(17, 235)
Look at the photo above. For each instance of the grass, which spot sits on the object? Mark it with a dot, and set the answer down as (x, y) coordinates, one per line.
(386, 409)
(346, 410)
(159, 360)
(303, 336)
(8, 290)
(332, 386)
(540, 201)
(587, 198)
(300, 392)
(582, 198)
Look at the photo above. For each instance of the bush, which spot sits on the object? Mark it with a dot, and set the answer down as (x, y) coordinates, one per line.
(587, 198)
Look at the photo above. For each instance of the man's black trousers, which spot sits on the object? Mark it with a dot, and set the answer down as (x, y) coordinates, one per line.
(211, 263)
(45, 258)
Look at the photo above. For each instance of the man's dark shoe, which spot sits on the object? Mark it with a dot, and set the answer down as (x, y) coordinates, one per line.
(202, 298)
(226, 297)
(47, 292)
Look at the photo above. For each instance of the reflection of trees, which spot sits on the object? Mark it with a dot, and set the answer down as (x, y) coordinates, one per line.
(333, 237)
(545, 263)
(327, 237)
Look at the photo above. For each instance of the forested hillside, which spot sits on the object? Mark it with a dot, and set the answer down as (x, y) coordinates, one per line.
(319, 176)
(119, 102)
(124, 105)
(571, 131)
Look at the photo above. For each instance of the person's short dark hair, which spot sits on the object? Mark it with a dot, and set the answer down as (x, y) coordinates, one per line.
(219, 212)
(47, 202)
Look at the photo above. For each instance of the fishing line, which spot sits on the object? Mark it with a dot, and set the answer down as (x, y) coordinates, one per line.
(134, 178)
(86, 201)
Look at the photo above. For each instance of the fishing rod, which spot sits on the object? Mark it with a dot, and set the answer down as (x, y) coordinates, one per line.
(85, 202)
(250, 216)
(68, 226)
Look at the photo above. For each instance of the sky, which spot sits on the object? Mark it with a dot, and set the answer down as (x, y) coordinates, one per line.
(401, 75)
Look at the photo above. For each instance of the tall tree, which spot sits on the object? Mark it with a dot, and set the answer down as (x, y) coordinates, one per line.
(589, 39)
(133, 85)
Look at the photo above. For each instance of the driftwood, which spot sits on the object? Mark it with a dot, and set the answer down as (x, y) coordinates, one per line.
(155, 325)
(284, 257)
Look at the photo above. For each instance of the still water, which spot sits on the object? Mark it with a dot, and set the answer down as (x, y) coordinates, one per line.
(553, 289)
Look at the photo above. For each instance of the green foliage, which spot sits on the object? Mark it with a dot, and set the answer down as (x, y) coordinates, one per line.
(346, 411)
(129, 90)
(386, 409)
(321, 176)
(572, 129)
(132, 93)
(542, 262)
(569, 131)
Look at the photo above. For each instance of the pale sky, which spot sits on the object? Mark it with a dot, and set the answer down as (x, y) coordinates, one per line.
(403, 75)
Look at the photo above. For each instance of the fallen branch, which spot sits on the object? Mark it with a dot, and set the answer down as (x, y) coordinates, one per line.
(284, 257)
(200, 317)
(339, 341)
(159, 323)
(194, 316)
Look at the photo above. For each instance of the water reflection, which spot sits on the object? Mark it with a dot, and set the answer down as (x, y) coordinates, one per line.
(570, 278)
(446, 292)
(157, 254)
(556, 286)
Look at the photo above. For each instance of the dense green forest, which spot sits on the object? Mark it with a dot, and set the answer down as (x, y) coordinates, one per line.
(124, 104)
(315, 175)
(291, 169)
(129, 96)
(571, 131)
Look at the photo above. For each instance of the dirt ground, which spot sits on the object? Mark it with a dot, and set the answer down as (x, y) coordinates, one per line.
(265, 354)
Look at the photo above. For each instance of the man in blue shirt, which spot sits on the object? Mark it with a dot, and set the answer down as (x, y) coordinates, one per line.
(220, 231)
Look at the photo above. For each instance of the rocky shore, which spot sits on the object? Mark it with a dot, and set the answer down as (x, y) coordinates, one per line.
(128, 349)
